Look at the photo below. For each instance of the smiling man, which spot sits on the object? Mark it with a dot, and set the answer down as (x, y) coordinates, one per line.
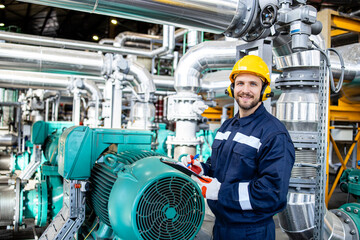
(252, 157)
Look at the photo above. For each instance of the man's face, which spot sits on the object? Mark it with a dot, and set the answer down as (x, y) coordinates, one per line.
(247, 88)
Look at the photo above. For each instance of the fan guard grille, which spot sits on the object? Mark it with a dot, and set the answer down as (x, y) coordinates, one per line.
(170, 208)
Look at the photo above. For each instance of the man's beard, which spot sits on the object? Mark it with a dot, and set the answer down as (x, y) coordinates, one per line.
(253, 103)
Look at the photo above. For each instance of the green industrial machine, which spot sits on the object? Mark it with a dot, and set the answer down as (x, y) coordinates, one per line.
(102, 184)
(39, 188)
(116, 187)
(349, 212)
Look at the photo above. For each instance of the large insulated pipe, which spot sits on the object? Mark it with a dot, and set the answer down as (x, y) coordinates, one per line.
(207, 55)
(26, 80)
(143, 79)
(5, 161)
(7, 205)
(142, 114)
(8, 140)
(297, 108)
(216, 16)
(186, 106)
(51, 81)
(118, 48)
(42, 59)
(123, 37)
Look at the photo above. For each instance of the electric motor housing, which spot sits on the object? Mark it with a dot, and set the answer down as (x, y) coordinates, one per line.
(146, 199)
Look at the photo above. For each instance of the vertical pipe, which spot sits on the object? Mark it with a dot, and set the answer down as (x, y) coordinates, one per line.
(117, 105)
(18, 113)
(56, 109)
(76, 107)
(47, 110)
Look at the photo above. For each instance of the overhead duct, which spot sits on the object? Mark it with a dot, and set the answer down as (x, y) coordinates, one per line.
(42, 59)
(232, 17)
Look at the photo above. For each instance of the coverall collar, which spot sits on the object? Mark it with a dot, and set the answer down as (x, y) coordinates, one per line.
(246, 120)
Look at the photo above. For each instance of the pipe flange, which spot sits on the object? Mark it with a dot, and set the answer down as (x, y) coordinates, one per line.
(240, 25)
(350, 228)
(172, 140)
(299, 78)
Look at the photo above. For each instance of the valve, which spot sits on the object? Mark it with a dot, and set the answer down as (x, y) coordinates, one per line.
(268, 15)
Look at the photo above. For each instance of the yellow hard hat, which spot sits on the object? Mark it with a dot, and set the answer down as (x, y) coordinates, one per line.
(251, 64)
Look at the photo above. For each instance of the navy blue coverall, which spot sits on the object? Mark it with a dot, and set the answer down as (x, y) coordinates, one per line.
(252, 157)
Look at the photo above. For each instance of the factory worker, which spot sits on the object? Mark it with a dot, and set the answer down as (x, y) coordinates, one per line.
(250, 166)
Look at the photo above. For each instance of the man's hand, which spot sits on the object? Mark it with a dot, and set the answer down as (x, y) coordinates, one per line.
(209, 188)
(191, 163)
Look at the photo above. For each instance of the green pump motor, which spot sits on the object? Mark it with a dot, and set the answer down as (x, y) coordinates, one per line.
(140, 197)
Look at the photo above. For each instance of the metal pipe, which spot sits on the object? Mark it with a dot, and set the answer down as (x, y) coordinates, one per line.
(118, 47)
(96, 96)
(311, 58)
(8, 140)
(179, 34)
(144, 83)
(117, 105)
(207, 55)
(76, 107)
(214, 16)
(21, 57)
(56, 109)
(7, 205)
(70, 44)
(123, 37)
(47, 110)
(5, 162)
(224, 112)
(94, 91)
(26, 80)
(50, 81)
(297, 220)
(207, 82)
(350, 54)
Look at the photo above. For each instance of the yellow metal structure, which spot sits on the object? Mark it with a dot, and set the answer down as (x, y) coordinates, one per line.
(214, 114)
(335, 24)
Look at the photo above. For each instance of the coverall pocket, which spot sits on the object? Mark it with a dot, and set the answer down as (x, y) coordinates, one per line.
(243, 163)
(215, 153)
